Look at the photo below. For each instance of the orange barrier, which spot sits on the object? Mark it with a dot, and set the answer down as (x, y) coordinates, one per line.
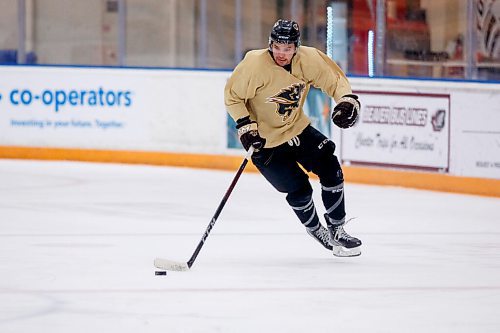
(223, 162)
(423, 180)
(364, 175)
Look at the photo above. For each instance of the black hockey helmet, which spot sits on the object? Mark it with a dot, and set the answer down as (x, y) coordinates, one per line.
(285, 31)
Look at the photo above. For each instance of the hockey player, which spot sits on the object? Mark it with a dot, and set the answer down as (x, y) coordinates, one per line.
(265, 95)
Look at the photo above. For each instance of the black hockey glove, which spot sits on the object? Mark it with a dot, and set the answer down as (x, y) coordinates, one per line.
(346, 111)
(248, 133)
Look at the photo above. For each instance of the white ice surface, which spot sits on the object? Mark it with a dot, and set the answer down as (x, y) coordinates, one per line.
(78, 240)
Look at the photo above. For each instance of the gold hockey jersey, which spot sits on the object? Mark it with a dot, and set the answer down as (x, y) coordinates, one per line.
(274, 97)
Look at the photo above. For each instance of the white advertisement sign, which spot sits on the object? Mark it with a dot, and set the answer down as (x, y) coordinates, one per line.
(400, 129)
(72, 108)
(112, 108)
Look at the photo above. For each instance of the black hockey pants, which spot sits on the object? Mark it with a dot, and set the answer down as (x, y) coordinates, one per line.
(315, 153)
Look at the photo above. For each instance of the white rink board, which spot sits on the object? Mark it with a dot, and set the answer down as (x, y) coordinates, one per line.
(105, 108)
(474, 120)
(183, 111)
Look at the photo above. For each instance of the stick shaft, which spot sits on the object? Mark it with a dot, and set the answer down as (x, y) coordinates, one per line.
(219, 209)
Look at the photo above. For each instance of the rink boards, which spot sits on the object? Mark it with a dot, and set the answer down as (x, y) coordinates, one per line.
(430, 134)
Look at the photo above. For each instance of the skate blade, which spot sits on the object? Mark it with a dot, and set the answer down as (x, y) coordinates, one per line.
(340, 251)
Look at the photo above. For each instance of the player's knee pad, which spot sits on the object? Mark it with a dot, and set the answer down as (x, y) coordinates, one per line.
(330, 172)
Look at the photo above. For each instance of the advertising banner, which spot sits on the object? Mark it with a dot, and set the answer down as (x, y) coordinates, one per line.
(74, 107)
(400, 129)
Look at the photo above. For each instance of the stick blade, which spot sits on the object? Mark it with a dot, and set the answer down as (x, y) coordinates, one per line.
(170, 265)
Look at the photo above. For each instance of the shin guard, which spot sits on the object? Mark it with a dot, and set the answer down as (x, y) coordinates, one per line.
(333, 199)
(303, 207)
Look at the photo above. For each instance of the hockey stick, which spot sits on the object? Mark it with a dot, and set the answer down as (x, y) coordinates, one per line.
(184, 266)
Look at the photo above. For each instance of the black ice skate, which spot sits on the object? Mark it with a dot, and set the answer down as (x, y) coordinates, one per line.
(344, 245)
(322, 236)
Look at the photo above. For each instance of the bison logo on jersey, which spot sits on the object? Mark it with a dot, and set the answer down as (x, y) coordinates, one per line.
(287, 100)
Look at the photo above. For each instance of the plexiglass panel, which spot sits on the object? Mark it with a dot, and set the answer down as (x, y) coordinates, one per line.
(451, 39)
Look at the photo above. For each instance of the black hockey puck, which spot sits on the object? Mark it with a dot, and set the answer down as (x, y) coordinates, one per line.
(160, 272)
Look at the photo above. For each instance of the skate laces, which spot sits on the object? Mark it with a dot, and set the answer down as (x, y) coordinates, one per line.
(340, 233)
(323, 235)
(352, 218)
